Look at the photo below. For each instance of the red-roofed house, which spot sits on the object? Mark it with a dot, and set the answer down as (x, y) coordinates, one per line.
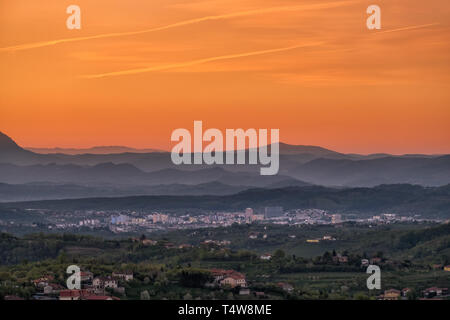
(86, 276)
(219, 274)
(104, 282)
(43, 281)
(234, 280)
(392, 294)
(100, 298)
(434, 291)
(231, 278)
(73, 294)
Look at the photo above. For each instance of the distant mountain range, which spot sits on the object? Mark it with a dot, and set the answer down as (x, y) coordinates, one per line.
(93, 150)
(299, 166)
(107, 174)
(49, 191)
(372, 172)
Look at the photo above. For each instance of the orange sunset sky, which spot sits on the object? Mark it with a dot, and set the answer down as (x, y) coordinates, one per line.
(308, 67)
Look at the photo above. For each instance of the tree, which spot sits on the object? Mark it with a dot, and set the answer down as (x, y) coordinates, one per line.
(361, 296)
(145, 295)
(327, 256)
(279, 254)
(187, 296)
(411, 295)
(194, 278)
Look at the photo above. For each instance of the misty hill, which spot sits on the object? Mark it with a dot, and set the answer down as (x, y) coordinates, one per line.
(387, 170)
(283, 149)
(147, 161)
(106, 174)
(12, 153)
(401, 199)
(314, 165)
(93, 150)
(51, 191)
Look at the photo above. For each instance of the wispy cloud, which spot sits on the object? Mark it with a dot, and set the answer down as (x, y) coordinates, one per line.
(339, 72)
(408, 28)
(199, 61)
(319, 6)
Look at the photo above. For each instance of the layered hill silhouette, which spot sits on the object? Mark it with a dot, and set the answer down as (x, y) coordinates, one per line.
(299, 166)
(126, 174)
(93, 150)
(49, 191)
(401, 199)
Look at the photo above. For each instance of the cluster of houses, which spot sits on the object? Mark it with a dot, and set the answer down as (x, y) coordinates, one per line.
(102, 287)
(338, 258)
(170, 245)
(234, 279)
(46, 287)
(373, 261)
(92, 288)
(434, 293)
(286, 287)
(440, 267)
(216, 242)
(83, 294)
(324, 238)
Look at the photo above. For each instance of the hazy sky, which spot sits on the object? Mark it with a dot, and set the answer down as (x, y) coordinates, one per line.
(310, 68)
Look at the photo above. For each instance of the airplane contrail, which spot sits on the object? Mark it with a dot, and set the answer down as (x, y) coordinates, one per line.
(408, 28)
(196, 62)
(326, 5)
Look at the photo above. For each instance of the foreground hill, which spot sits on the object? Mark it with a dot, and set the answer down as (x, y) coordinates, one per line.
(400, 246)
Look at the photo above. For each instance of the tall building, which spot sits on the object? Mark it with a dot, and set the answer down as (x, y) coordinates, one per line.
(271, 212)
(120, 219)
(336, 218)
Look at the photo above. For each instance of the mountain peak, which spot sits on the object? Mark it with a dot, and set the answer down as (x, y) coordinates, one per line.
(7, 144)
(299, 149)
